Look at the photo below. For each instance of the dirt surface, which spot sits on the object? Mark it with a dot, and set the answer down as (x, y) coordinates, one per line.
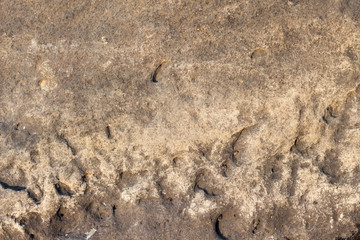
(179, 119)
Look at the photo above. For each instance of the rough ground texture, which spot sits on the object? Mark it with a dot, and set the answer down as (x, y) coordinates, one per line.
(179, 119)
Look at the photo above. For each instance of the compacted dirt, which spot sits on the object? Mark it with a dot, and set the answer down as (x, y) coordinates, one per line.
(179, 119)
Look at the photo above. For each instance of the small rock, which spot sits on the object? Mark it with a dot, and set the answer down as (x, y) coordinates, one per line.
(13, 178)
(63, 189)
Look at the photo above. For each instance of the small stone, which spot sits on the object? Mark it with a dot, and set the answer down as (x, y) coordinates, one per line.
(63, 189)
